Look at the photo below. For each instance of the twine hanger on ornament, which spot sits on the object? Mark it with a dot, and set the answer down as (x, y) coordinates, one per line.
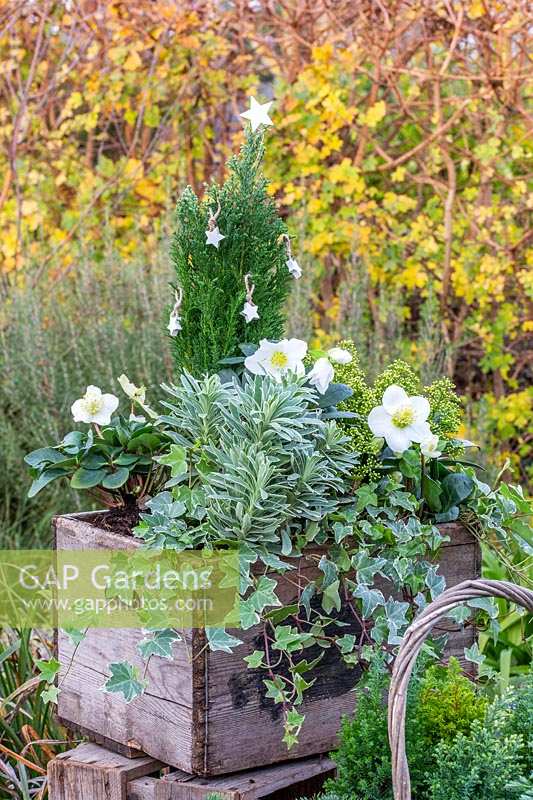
(174, 323)
(213, 216)
(250, 311)
(292, 265)
(250, 288)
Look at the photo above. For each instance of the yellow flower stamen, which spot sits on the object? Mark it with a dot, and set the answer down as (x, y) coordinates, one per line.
(279, 359)
(403, 417)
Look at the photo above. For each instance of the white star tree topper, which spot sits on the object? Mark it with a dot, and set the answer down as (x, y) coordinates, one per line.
(257, 114)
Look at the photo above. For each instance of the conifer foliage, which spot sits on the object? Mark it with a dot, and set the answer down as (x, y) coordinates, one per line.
(212, 279)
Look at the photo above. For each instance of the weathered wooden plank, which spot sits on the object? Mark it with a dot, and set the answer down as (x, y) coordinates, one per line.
(149, 723)
(250, 785)
(92, 773)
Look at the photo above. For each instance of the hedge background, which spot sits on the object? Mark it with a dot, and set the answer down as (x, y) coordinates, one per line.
(401, 158)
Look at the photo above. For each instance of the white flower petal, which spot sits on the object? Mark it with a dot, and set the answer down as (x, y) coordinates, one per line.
(419, 431)
(297, 348)
(79, 411)
(321, 375)
(253, 364)
(379, 421)
(420, 406)
(398, 439)
(339, 355)
(393, 397)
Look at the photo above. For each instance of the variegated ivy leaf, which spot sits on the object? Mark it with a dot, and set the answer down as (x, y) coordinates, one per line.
(265, 594)
(176, 459)
(474, 654)
(255, 659)
(367, 566)
(371, 598)
(306, 597)
(396, 612)
(346, 643)
(459, 614)
(124, 680)
(219, 639)
(159, 644)
(487, 604)
(289, 639)
(330, 571)
(76, 636)
(248, 615)
(331, 598)
(50, 694)
(435, 583)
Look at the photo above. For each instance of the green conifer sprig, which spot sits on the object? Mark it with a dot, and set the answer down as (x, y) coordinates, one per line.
(213, 280)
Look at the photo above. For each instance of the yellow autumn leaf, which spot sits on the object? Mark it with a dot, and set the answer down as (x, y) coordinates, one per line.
(133, 62)
(374, 114)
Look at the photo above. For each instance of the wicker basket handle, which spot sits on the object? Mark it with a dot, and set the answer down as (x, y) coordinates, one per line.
(414, 638)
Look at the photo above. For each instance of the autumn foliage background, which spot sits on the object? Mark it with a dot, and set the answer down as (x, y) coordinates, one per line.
(401, 158)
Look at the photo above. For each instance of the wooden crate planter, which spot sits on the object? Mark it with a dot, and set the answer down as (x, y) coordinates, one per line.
(208, 715)
(92, 773)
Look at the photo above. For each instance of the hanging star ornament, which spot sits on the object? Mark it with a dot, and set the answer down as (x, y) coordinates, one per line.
(257, 114)
(250, 311)
(214, 237)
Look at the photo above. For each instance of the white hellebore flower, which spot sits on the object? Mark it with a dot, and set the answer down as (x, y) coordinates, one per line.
(250, 311)
(94, 407)
(429, 447)
(277, 358)
(401, 419)
(294, 268)
(339, 355)
(321, 375)
(133, 392)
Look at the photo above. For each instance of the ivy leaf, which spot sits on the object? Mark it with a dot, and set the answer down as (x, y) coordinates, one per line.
(219, 639)
(276, 689)
(160, 644)
(459, 614)
(176, 459)
(306, 597)
(346, 643)
(396, 612)
(248, 615)
(474, 654)
(366, 496)
(48, 669)
(367, 566)
(371, 598)
(330, 571)
(487, 604)
(50, 694)
(76, 636)
(265, 594)
(435, 583)
(255, 660)
(290, 639)
(124, 680)
(331, 598)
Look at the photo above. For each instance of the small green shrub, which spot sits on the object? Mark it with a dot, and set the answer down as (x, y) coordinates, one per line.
(479, 766)
(363, 758)
(442, 703)
(448, 703)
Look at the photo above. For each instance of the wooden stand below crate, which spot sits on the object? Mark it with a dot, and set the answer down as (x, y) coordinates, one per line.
(91, 772)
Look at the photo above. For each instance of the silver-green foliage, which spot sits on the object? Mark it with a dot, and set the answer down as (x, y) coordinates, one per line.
(257, 456)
